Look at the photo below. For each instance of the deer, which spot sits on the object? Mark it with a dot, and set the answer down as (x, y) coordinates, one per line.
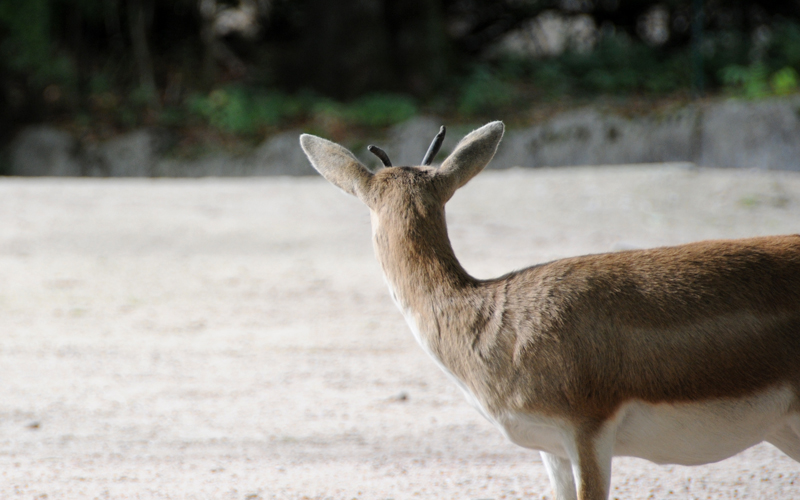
(684, 355)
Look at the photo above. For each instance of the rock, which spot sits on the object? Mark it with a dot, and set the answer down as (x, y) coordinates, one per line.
(588, 137)
(134, 154)
(280, 155)
(732, 133)
(217, 165)
(407, 142)
(581, 137)
(400, 397)
(44, 150)
(762, 135)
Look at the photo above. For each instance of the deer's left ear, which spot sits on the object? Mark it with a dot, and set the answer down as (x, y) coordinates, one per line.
(471, 155)
(337, 165)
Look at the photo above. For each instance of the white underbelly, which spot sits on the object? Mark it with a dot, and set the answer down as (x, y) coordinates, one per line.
(537, 432)
(685, 433)
(699, 433)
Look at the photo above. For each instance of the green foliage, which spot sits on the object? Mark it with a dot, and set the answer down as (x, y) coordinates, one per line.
(140, 96)
(784, 81)
(45, 43)
(784, 47)
(755, 81)
(26, 47)
(371, 110)
(379, 110)
(484, 92)
(750, 81)
(99, 83)
(721, 50)
(172, 116)
(28, 25)
(620, 65)
(241, 111)
(617, 65)
(774, 72)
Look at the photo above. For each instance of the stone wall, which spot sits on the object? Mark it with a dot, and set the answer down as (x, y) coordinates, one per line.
(731, 133)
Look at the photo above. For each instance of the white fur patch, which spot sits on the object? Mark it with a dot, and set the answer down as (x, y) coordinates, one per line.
(538, 433)
(700, 433)
(684, 433)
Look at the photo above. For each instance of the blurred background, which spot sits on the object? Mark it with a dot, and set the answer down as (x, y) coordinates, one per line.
(208, 77)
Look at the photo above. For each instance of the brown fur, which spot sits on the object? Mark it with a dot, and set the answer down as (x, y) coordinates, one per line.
(578, 338)
(704, 320)
(698, 321)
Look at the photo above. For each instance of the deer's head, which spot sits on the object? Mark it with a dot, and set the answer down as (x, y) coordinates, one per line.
(398, 190)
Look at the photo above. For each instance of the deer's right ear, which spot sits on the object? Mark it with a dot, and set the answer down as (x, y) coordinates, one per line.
(337, 164)
(471, 155)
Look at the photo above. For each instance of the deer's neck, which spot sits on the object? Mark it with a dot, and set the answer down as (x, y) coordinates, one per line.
(448, 311)
(445, 307)
(419, 264)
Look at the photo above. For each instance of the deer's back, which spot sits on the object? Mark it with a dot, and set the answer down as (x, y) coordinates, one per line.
(701, 321)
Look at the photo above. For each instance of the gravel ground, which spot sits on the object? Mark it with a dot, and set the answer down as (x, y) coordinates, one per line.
(233, 339)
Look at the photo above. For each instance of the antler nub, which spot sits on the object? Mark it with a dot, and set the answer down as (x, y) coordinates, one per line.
(434, 147)
(380, 154)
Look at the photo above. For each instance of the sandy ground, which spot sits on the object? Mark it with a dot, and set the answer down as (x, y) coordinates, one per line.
(233, 339)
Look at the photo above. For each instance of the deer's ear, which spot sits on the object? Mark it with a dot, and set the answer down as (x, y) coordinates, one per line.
(471, 155)
(337, 164)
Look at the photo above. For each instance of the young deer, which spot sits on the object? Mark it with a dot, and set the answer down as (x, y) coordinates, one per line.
(685, 355)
